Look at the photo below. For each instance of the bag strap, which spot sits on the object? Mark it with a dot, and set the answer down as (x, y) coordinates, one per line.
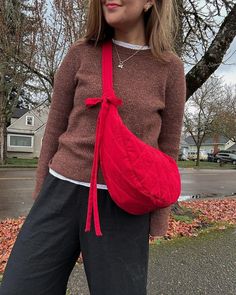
(107, 100)
(107, 72)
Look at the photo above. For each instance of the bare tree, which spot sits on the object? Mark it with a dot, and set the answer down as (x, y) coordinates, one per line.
(62, 23)
(33, 42)
(201, 23)
(202, 110)
(225, 120)
(16, 31)
(207, 38)
(73, 17)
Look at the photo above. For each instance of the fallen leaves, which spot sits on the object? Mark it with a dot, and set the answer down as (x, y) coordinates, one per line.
(207, 212)
(215, 210)
(211, 210)
(9, 229)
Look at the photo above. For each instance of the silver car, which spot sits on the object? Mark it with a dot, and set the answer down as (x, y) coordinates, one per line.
(226, 157)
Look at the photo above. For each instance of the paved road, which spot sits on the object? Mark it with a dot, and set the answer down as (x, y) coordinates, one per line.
(17, 184)
(208, 181)
(204, 265)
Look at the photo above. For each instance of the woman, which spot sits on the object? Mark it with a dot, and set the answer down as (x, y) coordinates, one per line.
(149, 77)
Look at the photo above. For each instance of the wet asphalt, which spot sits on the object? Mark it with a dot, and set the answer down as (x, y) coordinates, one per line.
(17, 185)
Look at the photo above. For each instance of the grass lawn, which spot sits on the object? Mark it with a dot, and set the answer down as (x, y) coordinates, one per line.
(21, 162)
(205, 165)
(182, 164)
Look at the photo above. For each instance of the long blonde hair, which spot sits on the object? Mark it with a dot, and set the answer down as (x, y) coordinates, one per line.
(161, 26)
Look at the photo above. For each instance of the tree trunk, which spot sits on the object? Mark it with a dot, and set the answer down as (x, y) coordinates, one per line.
(210, 62)
(176, 208)
(198, 155)
(3, 133)
(180, 33)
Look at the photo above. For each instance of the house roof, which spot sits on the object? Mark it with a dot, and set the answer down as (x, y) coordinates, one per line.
(183, 142)
(17, 113)
(232, 148)
(221, 140)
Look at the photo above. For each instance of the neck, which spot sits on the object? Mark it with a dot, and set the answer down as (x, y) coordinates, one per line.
(135, 35)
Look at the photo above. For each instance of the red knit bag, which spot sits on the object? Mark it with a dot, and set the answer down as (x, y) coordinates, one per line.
(139, 177)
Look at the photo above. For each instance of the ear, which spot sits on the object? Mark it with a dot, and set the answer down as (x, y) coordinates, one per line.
(148, 5)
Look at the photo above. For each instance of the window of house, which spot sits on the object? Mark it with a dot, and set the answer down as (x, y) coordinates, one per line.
(21, 140)
(30, 120)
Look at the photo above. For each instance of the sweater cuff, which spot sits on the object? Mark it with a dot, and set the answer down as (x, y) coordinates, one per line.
(37, 189)
(38, 185)
(159, 221)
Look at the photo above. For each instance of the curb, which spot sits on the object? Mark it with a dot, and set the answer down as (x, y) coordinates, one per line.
(18, 166)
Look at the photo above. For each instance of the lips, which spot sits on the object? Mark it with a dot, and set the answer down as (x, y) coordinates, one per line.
(112, 5)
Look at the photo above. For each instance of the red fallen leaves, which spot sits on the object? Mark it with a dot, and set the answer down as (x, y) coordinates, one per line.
(9, 228)
(211, 210)
(217, 210)
(181, 228)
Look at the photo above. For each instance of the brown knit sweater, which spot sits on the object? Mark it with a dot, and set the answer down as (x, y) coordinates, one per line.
(153, 97)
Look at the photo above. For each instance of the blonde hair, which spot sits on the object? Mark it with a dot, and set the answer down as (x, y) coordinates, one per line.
(161, 26)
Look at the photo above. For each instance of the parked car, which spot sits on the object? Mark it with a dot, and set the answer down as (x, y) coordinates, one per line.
(183, 157)
(226, 157)
(192, 155)
(202, 156)
(211, 157)
(228, 152)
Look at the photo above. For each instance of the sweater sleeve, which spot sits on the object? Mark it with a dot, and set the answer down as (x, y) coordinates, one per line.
(59, 111)
(170, 134)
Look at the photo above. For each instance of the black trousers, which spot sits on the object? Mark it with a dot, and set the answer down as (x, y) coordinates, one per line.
(52, 237)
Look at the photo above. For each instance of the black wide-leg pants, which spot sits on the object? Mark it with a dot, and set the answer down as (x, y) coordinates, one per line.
(53, 235)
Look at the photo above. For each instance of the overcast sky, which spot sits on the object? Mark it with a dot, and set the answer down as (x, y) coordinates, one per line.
(228, 70)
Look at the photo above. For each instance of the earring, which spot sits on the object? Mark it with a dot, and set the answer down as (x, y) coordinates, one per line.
(147, 7)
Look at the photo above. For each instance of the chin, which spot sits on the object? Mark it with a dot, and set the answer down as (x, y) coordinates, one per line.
(116, 24)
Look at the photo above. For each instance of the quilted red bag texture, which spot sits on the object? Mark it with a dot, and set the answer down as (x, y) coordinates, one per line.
(139, 177)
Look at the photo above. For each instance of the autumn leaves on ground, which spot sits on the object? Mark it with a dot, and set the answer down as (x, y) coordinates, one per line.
(196, 216)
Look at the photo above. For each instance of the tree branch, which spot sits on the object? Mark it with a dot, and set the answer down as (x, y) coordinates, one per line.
(214, 55)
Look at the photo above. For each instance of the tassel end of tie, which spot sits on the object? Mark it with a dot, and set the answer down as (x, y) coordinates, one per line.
(98, 232)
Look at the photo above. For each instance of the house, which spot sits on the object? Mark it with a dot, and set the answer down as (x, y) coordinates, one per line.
(26, 130)
(232, 148)
(183, 148)
(17, 114)
(211, 144)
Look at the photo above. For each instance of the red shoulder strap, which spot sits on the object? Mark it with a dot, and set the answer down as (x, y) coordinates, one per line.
(107, 78)
(108, 98)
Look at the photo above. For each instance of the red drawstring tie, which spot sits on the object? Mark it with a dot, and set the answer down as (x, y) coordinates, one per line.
(92, 200)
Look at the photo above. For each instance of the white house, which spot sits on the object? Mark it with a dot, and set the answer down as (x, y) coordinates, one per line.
(25, 133)
(212, 144)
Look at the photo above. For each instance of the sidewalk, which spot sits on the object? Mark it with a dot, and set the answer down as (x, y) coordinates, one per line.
(202, 265)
